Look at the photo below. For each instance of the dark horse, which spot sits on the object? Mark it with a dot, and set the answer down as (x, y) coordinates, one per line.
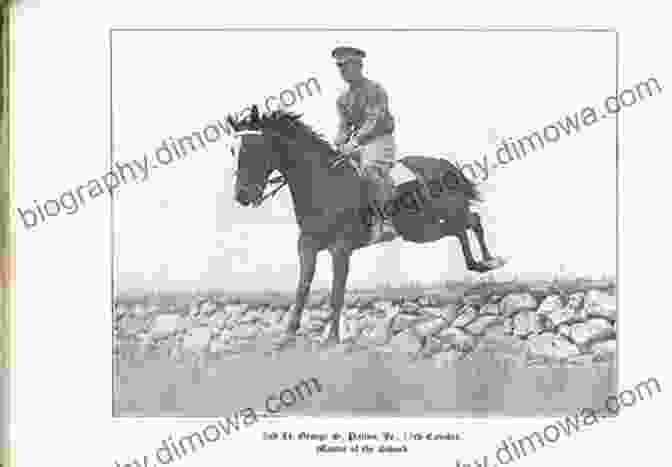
(329, 200)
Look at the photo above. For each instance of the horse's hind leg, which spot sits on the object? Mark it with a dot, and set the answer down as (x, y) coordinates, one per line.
(490, 262)
(476, 225)
(472, 264)
(307, 262)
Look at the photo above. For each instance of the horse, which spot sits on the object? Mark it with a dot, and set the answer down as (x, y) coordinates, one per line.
(332, 201)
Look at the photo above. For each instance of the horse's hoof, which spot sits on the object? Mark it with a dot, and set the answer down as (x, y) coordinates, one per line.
(478, 267)
(496, 262)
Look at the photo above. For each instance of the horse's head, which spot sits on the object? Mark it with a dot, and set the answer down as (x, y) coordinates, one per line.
(278, 140)
(259, 155)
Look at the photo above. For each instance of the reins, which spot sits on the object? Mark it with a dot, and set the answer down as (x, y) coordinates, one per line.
(279, 179)
(282, 180)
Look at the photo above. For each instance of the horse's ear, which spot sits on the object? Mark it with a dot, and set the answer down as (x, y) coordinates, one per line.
(231, 123)
(254, 114)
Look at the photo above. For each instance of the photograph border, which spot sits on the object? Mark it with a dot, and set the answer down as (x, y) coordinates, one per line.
(549, 29)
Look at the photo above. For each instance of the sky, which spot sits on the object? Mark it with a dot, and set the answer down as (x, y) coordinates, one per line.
(454, 94)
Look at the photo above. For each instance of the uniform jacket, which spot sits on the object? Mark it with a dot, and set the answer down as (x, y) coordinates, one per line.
(364, 112)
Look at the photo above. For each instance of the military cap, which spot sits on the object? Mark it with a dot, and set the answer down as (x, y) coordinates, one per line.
(346, 54)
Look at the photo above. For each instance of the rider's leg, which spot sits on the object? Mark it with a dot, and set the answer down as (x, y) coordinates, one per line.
(377, 158)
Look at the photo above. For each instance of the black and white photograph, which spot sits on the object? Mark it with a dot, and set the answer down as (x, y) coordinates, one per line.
(392, 214)
(341, 232)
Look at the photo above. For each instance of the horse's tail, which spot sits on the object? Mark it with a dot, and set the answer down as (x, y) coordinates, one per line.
(465, 185)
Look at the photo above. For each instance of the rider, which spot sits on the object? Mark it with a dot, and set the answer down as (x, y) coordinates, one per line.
(366, 126)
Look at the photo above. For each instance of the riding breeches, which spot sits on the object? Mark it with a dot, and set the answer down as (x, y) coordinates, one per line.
(377, 159)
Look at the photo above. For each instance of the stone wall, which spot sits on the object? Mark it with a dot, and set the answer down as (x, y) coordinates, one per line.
(523, 325)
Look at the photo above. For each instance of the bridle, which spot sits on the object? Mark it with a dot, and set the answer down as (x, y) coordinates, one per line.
(272, 181)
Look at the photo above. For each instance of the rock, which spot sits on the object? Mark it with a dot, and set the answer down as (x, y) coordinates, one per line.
(406, 343)
(428, 301)
(245, 331)
(166, 325)
(140, 310)
(434, 311)
(319, 313)
(197, 339)
(404, 321)
(207, 307)
(543, 289)
(350, 330)
(350, 313)
(350, 299)
(121, 309)
(379, 332)
(222, 345)
(194, 308)
(545, 323)
(550, 304)
(251, 316)
(305, 319)
(564, 315)
(432, 345)
(219, 319)
(275, 328)
(287, 317)
(386, 307)
(499, 330)
(446, 359)
(447, 312)
(454, 338)
(581, 360)
(313, 326)
(225, 334)
(365, 306)
(131, 324)
(502, 345)
(526, 322)
(575, 300)
(273, 315)
(366, 321)
(604, 350)
(145, 342)
(494, 299)
(489, 309)
(514, 302)
(551, 346)
(429, 327)
(598, 303)
(482, 323)
(591, 331)
(465, 317)
(236, 312)
(565, 330)
(410, 308)
(474, 300)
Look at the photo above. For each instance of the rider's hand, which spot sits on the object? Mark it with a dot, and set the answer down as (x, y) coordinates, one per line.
(349, 147)
(340, 139)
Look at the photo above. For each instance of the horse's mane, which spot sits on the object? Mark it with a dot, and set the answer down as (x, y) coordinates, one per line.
(286, 123)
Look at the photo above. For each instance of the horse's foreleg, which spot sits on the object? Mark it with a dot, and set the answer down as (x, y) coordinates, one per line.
(341, 266)
(307, 261)
(476, 225)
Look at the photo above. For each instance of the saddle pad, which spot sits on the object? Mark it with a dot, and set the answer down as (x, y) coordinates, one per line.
(400, 174)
